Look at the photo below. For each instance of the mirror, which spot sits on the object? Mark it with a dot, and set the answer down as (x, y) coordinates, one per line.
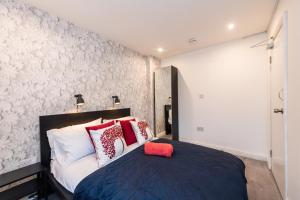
(166, 103)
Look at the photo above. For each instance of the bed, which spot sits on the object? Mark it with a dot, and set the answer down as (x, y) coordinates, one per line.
(193, 172)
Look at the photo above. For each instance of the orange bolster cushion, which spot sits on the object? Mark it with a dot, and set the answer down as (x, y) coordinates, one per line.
(158, 149)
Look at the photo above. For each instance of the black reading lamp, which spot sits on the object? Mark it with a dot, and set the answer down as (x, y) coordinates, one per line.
(116, 100)
(79, 100)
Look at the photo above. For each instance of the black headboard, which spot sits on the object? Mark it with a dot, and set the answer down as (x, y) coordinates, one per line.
(58, 121)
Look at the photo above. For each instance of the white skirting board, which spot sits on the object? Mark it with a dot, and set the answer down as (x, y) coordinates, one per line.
(227, 149)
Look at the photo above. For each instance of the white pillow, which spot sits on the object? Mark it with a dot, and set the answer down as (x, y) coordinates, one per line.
(54, 151)
(71, 143)
(109, 143)
(142, 131)
(121, 118)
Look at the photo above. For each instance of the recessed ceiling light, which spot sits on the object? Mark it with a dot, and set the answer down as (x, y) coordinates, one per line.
(160, 50)
(231, 26)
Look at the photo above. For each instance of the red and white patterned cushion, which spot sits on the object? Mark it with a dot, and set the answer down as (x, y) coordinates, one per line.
(109, 143)
(142, 131)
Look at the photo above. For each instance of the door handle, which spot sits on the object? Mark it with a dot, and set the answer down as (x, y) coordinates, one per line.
(277, 110)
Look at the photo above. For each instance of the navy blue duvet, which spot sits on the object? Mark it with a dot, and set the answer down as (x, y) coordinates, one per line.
(194, 172)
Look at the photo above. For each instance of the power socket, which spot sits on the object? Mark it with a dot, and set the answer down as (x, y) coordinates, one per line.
(200, 129)
(201, 96)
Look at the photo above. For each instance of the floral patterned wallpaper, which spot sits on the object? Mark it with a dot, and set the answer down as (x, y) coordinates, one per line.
(44, 61)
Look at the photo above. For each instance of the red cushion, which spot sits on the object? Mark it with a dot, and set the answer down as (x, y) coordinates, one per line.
(158, 149)
(128, 132)
(97, 127)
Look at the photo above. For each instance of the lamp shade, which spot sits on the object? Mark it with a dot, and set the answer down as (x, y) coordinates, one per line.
(79, 99)
(116, 100)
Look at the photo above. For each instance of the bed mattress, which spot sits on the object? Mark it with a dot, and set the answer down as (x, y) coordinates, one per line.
(71, 175)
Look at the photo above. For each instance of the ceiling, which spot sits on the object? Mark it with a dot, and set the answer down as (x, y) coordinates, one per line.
(146, 25)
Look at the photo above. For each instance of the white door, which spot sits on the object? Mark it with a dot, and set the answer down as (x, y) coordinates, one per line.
(277, 111)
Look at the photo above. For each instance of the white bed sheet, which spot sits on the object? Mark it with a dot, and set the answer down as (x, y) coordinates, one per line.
(71, 175)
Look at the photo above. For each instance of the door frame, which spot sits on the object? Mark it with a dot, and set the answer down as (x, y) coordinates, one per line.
(282, 25)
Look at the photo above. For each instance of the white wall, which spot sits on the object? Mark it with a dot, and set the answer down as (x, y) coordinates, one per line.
(234, 111)
(293, 113)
